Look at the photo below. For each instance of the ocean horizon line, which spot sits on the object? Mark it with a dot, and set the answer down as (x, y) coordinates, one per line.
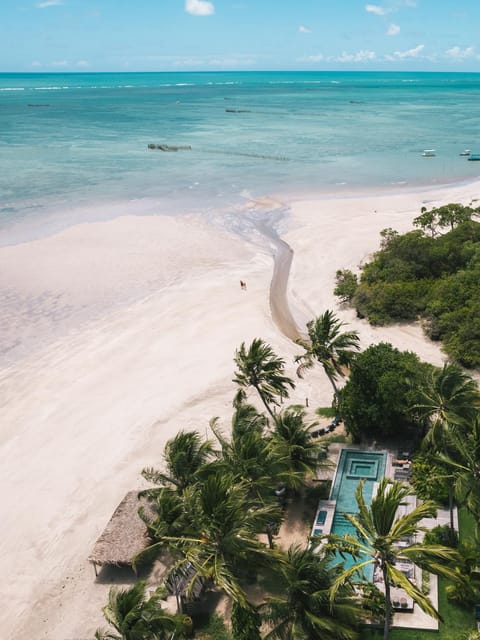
(253, 71)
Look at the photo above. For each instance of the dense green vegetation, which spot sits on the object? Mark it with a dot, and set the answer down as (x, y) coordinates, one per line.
(216, 506)
(384, 385)
(430, 274)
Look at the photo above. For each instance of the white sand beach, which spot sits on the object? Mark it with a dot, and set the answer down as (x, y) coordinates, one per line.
(116, 335)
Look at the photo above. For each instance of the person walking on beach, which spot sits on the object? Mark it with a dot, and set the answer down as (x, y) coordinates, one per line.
(243, 285)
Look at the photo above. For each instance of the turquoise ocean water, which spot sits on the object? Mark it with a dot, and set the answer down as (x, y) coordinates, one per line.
(72, 142)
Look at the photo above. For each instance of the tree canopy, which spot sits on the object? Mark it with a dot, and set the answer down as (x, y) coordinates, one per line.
(383, 387)
(426, 275)
(328, 345)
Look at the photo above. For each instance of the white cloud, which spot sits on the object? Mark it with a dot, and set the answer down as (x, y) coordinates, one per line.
(360, 56)
(231, 62)
(302, 29)
(36, 63)
(391, 6)
(199, 7)
(48, 3)
(376, 9)
(409, 53)
(393, 29)
(82, 63)
(318, 57)
(455, 53)
(59, 63)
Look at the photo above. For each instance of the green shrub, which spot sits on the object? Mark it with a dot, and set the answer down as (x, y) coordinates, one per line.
(442, 535)
(429, 479)
(346, 285)
(427, 275)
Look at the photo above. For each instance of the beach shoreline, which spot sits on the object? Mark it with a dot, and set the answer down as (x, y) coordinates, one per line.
(84, 414)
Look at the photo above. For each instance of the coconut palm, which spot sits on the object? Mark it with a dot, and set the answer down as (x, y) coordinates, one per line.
(185, 455)
(463, 460)
(333, 348)
(246, 622)
(303, 609)
(136, 617)
(220, 540)
(378, 533)
(259, 367)
(448, 400)
(247, 418)
(292, 445)
(164, 515)
(247, 456)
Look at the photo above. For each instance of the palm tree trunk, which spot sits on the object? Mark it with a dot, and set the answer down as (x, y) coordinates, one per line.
(265, 403)
(335, 393)
(270, 535)
(450, 505)
(388, 606)
(335, 388)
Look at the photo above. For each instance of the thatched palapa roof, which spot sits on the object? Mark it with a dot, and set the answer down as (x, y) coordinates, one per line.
(123, 537)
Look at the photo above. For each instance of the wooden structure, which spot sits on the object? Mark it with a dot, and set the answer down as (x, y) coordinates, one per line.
(124, 537)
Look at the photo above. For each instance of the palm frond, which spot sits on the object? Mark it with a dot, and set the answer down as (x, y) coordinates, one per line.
(398, 578)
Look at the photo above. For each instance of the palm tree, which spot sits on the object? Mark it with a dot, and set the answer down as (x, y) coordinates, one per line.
(303, 609)
(247, 456)
(165, 514)
(247, 418)
(463, 460)
(136, 617)
(259, 367)
(378, 533)
(220, 540)
(185, 455)
(329, 346)
(292, 445)
(246, 622)
(449, 400)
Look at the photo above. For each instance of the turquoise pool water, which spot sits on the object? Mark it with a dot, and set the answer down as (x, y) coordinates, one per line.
(352, 467)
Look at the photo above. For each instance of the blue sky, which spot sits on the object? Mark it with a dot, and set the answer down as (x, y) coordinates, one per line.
(189, 35)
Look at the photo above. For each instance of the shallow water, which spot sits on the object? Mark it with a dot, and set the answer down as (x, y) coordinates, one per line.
(70, 142)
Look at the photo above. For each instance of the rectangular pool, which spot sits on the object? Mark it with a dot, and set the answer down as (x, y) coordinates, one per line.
(353, 466)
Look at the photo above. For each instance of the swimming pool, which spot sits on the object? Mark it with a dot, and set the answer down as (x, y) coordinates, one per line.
(353, 466)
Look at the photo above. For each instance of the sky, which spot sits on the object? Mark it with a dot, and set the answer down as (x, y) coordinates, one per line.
(201, 35)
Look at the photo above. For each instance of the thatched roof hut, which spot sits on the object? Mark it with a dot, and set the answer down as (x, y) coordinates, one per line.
(123, 537)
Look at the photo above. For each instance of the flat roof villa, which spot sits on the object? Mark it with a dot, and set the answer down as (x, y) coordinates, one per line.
(352, 465)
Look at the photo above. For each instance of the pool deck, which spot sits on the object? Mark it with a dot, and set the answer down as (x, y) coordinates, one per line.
(408, 615)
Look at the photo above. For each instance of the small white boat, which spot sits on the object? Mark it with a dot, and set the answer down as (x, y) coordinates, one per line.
(429, 153)
(465, 152)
